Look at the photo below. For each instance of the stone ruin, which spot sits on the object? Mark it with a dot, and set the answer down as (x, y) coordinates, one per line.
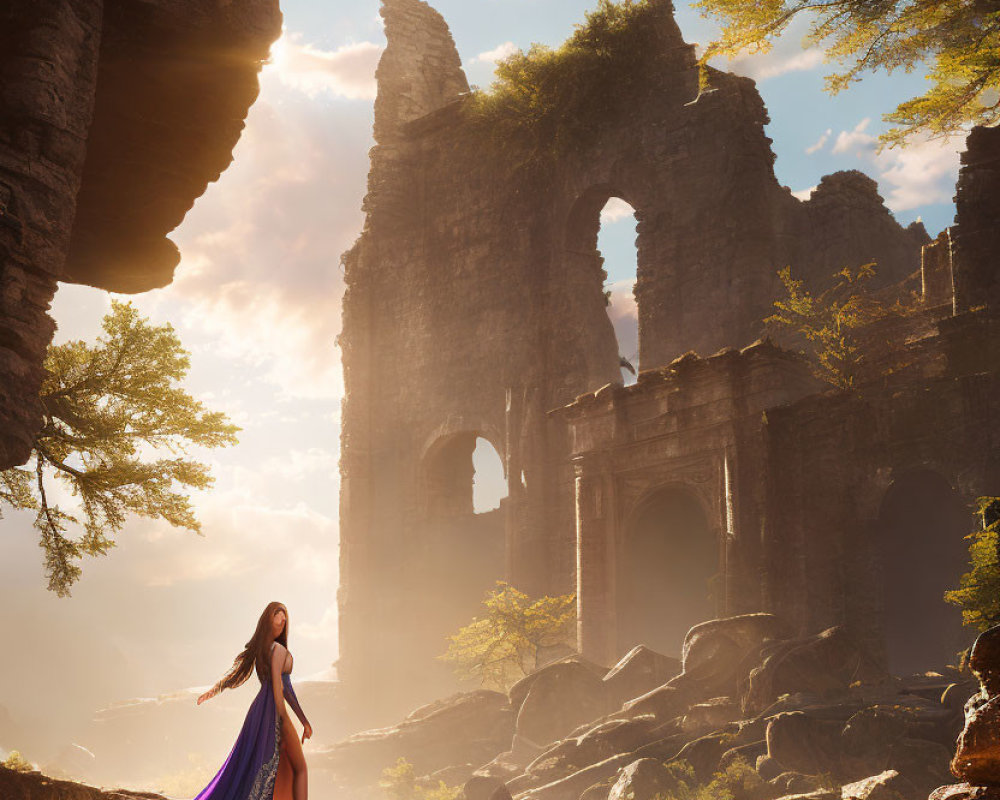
(114, 117)
(475, 309)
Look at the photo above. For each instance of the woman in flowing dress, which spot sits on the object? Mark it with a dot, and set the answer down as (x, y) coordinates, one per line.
(266, 762)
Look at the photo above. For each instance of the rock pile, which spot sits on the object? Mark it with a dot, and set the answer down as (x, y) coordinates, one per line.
(977, 757)
(749, 709)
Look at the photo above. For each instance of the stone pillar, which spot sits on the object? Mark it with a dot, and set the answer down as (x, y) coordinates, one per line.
(937, 281)
(977, 235)
(595, 596)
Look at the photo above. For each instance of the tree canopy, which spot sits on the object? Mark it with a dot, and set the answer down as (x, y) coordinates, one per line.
(978, 592)
(502, 646)
(830, 322)
(959, 42)
(109, 409)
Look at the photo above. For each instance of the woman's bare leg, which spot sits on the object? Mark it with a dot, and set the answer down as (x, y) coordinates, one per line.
(283, 779)
(300, 778)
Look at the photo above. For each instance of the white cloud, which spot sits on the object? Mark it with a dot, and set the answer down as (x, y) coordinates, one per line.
(616, 209)
(921, 173)
(624, 315)
(820, 143)
(348, 71)
(260, 277)
(780, 60)
(859, 141)
(804, 194)
(498, 53)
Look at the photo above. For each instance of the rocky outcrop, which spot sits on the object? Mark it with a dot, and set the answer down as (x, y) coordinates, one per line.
(977, 235)
(827, 731)
(468, 728)
(977, 757)
(114, 117)
(16, 785)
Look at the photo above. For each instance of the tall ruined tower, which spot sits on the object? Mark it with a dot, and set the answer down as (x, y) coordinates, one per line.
(475, 305)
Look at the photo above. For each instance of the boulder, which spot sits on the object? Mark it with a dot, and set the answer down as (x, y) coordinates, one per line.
(711, 714)
(871, 732)
(818, 794)
(664, 703)
(704, 753)
(801, 743)
(797, 783)
(715, 653)
(575, 784)
(481, 788)
(519, 691)
(559, 698)
(34, 785)
(470, 727)
(638, 672)
(977, 757)
(614, 736)
(888, 785)
(747, 752)
(965, 791)
(642, 780)
(827, 662)
(769, 769)
(924, 764)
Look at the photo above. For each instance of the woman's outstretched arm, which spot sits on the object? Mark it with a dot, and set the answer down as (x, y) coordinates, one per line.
(211, 692)
(277, 662)
(293, 701)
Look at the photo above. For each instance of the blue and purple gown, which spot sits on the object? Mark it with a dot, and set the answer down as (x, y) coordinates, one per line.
(250, 768)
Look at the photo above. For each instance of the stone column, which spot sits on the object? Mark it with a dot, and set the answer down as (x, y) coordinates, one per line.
(595, 597)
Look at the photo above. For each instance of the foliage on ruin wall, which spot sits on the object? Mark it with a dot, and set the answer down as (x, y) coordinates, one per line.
(978, 592)
(832, 324)
(547, 101)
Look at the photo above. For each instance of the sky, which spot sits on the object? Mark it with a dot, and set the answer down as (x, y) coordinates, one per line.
(256, 301)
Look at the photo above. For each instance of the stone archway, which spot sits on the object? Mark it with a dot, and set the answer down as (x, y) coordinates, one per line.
(462, 553)
(921, 551)
(668, 565)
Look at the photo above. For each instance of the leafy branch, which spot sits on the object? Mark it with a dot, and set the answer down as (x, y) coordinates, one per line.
(108, 408)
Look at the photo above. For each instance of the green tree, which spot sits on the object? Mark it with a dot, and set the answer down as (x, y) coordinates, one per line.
(108, 409)
(399, 782)
(978, 592)
(502, 646)
(16, 762)
(959, 40)
(831, 323)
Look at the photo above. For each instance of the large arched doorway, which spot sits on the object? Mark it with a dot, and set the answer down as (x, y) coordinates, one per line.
(668, 568)
(922, 553)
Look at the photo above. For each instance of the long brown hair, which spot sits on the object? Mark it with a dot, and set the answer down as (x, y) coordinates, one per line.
(257, 652)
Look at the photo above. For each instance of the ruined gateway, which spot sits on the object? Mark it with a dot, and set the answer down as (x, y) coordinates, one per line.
(727, 480)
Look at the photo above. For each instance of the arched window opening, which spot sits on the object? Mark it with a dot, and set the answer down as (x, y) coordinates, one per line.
(616, 241)
(668, 571)
(489, 485)
(464, 476)
(922, 552)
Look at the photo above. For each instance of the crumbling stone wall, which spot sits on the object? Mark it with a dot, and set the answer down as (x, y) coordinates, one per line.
(114, 117)
(832, 460)
(475, 305)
